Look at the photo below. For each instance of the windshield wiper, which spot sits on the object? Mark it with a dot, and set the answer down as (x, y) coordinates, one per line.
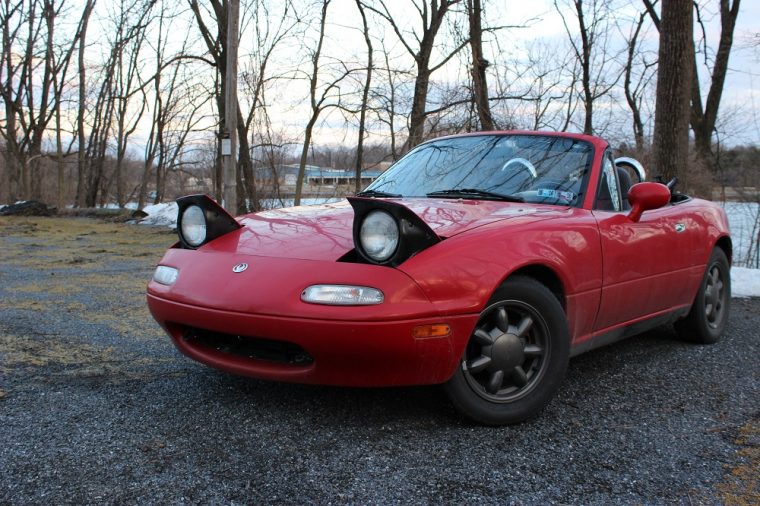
(377, 193)
(474, 192)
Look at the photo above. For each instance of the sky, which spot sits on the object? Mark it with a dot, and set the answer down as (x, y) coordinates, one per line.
(740, 107)
(741, 97)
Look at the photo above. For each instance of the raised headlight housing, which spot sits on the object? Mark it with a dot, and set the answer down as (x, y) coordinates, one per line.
(388, 233)
(201, 220)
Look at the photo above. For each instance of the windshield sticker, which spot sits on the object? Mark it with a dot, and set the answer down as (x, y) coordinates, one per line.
(561, 196)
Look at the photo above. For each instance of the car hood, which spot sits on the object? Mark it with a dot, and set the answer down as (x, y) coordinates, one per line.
(325, 232)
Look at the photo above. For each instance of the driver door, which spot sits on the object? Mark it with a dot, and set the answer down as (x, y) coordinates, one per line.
(644, 263)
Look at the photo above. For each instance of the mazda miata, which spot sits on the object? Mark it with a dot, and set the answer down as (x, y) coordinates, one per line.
(481, 262)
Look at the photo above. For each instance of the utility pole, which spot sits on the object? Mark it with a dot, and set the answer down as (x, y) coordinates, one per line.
(229, 143)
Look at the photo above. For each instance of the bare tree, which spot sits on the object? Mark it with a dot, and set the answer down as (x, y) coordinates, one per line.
(703, 118)
(365, 99)
(535, 89)
(82, 105)
(176, 103)
(216, 43)
(322, 95)
(33, 70)
(420, 47)
(131, 37)
(676, 66)
(592, 52)
(638, 73)
(479, 64)
(273, 24)
(386, 97)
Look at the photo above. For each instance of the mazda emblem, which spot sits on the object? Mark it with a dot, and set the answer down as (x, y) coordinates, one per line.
(240, 267)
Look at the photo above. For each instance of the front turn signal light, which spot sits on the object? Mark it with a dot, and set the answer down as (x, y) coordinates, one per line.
(435, 330)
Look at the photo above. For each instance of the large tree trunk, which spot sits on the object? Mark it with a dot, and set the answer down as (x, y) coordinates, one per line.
(479, 65)
(419, 103)
(674, 80)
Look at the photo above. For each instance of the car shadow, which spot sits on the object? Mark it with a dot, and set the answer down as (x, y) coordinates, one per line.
(612, 366)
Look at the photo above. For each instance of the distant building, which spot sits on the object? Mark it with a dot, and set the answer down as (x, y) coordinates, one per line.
(287, 175)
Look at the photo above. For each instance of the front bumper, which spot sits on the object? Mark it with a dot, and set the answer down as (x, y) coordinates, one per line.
(337, 352)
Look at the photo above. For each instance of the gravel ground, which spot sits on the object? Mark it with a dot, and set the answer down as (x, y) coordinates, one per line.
(96, 406)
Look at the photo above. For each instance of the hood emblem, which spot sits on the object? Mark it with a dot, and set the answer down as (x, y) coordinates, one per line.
(240, 267)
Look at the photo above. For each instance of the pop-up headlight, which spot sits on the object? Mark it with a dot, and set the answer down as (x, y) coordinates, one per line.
(193, 228)
(379, 235)
(201, 220)
(388, 233)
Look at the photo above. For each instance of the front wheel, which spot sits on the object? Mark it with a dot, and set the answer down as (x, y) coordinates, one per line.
(516, 357)
(709, 313)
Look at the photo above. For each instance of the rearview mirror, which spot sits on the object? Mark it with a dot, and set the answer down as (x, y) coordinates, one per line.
(645, 197)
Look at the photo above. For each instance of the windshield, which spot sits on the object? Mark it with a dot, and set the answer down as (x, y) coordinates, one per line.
(529, 168)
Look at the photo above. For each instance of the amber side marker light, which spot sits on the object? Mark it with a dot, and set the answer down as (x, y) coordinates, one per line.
(435, 330)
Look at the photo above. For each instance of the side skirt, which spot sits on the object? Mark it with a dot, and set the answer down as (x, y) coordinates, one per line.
(606, 337)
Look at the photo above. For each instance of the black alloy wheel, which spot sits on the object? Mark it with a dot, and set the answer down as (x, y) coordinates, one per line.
(508, 352)
(708, 316)
(516, 356)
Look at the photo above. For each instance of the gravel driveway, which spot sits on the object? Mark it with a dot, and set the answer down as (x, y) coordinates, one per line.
(96, 406)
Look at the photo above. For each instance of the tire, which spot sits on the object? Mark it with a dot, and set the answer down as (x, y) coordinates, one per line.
(516, 357)
(708, 315)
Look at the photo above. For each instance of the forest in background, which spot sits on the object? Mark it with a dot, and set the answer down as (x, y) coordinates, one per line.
(117, 101)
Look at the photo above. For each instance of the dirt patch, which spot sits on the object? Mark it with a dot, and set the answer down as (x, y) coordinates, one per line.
(741, 486)
(24, 352)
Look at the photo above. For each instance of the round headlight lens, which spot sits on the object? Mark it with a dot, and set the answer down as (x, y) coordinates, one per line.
(379, 235)
(194, 226)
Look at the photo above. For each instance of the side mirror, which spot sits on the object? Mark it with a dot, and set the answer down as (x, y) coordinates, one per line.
(645, 197)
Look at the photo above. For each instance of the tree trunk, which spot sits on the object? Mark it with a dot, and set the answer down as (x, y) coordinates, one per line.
(364, 104)
(419, 103)
(82, 105)
(479, 65)
(703, 121)
(631, 92)
(674, 80)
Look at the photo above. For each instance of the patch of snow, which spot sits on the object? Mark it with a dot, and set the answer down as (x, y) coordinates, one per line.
(745, 282)
(161, 215)
(128, 205)
(165, 215)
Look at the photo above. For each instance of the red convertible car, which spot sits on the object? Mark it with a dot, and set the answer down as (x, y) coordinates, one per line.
(481, 262)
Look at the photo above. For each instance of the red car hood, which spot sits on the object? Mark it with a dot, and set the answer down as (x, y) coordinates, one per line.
(325, 232)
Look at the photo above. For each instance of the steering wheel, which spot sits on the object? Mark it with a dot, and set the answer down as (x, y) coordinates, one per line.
(522, 162)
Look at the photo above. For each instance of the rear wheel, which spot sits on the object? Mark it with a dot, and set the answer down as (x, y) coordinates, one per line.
(709, 313)
(516, 357)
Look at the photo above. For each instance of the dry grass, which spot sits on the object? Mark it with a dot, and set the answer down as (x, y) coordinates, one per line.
(87, 271)
(741, 486)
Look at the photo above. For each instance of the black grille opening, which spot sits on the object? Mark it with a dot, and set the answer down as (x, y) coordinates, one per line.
(249, 347)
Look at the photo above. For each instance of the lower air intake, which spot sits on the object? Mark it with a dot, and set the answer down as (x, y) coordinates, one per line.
(249, 347)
